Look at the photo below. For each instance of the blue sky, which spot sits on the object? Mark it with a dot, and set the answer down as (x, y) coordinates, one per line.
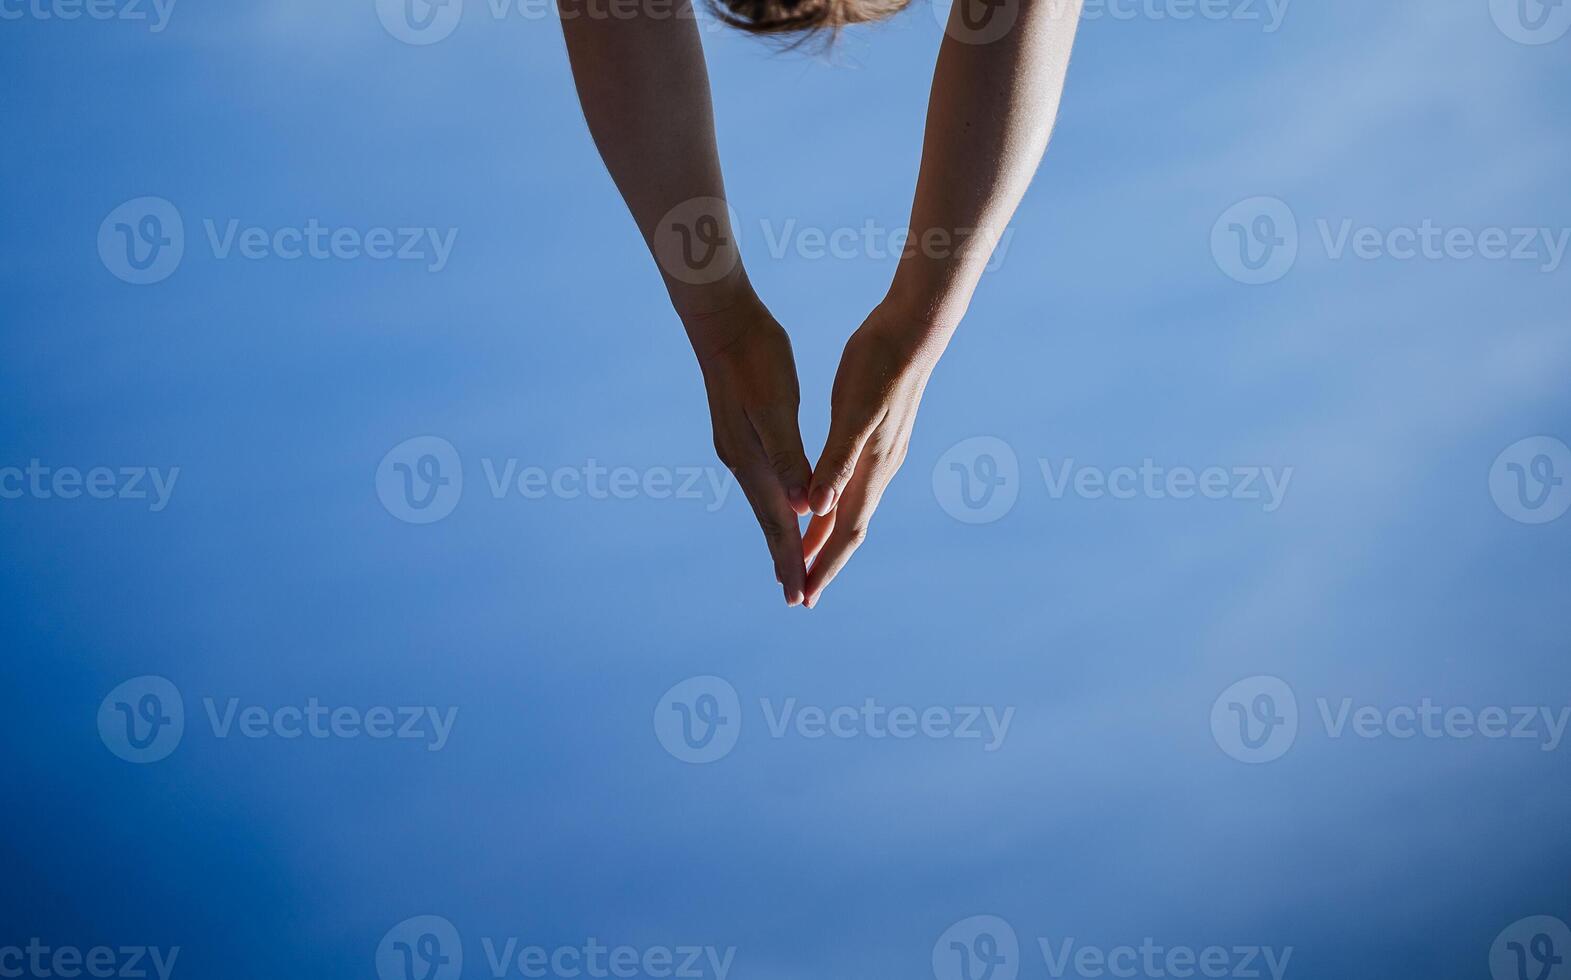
(1394, 571)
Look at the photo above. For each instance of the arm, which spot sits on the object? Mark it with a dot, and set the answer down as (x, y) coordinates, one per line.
(989, 117)
(645, 93)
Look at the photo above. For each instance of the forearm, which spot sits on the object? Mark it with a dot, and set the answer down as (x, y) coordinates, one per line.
(989, 118)
(644, 89)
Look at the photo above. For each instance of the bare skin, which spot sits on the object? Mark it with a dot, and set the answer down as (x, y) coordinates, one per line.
(990, 115)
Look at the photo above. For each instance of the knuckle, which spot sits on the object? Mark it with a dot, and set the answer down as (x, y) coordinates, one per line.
(784, 461)
(856, 535)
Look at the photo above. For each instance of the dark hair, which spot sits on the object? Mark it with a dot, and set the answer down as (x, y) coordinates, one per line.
(803, 18)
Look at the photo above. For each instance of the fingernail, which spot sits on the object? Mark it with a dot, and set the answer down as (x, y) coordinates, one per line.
(811, 601)
(823, 499)
(798, 498)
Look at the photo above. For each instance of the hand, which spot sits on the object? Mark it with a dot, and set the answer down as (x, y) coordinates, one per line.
(878, 388)
(753, 396)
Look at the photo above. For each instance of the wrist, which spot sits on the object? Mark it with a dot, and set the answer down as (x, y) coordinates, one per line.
(711, 300)
(921, 322)
(911, 339)
(928, 310)
(719, 324)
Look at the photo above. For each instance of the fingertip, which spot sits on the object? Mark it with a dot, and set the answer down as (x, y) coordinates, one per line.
(799, 502)
(822, 500)
(793, 580)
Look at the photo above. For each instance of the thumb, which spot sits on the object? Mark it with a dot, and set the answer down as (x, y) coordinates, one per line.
(782, 441)
(837, 462)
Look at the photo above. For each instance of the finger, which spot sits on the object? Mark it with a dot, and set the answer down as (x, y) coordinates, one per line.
(779, 524)
(817, 533)
(853, 513)
(782, 441)
(838, 461)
